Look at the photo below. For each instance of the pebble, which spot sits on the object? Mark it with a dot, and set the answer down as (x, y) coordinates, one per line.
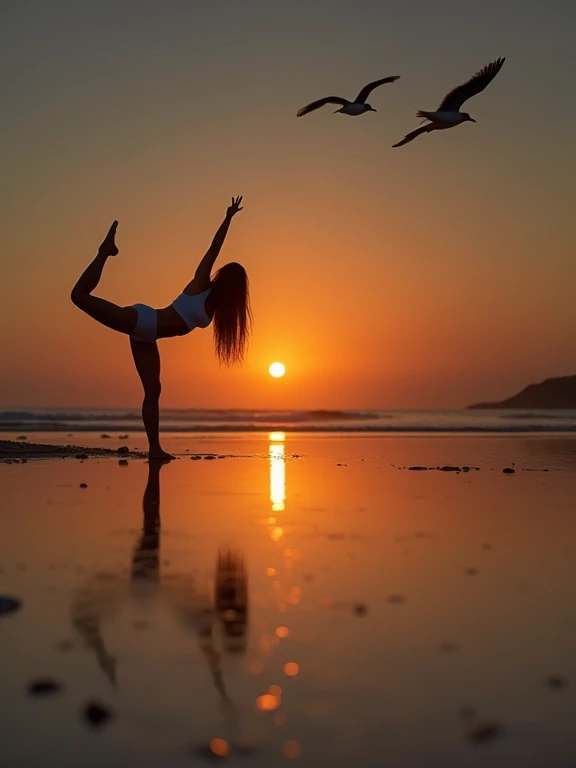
(123, 449)
(81, 456)
(448, 647)
(9, 605)
(83, 485)
(508, 471)
(123, 462)
(360, 609)
(484, 732)
(65, 645)
(96, 714)
(44, 687)
(396, 599)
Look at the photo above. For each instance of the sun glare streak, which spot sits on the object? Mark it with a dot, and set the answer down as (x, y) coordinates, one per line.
(277, 472)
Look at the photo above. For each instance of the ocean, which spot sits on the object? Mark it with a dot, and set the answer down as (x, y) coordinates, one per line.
(118, 420)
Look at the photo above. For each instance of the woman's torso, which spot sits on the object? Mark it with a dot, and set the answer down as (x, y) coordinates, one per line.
(170, 323)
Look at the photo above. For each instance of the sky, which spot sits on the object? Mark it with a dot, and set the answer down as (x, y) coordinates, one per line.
(428, 276)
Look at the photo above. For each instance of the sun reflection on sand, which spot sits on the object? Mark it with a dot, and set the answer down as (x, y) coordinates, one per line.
(277, 471)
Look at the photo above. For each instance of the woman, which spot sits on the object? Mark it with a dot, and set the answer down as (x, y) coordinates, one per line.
(223, 298)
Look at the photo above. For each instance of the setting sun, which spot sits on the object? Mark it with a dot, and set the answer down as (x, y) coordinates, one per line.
(277, 370)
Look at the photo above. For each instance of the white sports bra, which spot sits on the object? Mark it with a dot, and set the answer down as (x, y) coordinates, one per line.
(191, 309)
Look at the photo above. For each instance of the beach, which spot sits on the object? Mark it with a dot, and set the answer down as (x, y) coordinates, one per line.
(323, 598)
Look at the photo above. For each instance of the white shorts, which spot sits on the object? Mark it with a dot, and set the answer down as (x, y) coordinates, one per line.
(146, 324)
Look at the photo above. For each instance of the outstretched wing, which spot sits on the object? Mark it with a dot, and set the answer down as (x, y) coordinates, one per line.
(454, 100)
(321, 103)
(413, 135)
(367, 90)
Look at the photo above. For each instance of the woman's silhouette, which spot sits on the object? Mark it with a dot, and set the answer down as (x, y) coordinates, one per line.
(223, 298)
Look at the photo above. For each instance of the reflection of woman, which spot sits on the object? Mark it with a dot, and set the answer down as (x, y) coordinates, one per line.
(226, 609)
(222, 298)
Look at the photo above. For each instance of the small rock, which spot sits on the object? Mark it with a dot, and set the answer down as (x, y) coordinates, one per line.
(485, 732)
(123, 449)
(81, 456)
(9, 605)
(417, 469)
(209, 457)
(508, 471)
(104, 436)
(23, 461)
(140, 624)
(448, 647)
(360, 609)
(556, 682)
(450, 468)
(44, 687)
(83, 485)
(396, 599)
(96, 714)
(123, 462)
(123, 437)
(195, 458)
(65, 645)
(22, 437)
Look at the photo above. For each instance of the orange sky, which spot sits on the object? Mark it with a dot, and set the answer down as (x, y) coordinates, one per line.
(427, 276)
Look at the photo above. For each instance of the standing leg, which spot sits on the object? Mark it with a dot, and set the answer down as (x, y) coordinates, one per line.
(147, 361)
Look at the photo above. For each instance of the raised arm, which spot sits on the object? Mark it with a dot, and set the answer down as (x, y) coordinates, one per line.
(201, 280)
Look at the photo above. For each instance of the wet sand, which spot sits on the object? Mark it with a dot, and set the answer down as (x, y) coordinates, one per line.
(21, 449)
(312, 600)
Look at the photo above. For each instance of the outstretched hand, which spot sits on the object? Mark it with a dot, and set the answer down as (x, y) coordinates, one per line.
(235, 207)
(108, 247)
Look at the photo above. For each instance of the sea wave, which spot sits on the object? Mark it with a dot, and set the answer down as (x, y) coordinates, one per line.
(115, 428)
(125, 420)
(184, 415)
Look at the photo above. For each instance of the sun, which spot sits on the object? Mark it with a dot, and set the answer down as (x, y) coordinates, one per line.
(277, 370)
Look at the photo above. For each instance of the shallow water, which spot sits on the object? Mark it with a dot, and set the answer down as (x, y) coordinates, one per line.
(410, 606)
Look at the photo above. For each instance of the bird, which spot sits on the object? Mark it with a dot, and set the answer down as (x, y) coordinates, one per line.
(353, 108)
(448, 114)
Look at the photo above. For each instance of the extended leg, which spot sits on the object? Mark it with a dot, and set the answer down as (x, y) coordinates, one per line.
(121, 319)
(147, 361)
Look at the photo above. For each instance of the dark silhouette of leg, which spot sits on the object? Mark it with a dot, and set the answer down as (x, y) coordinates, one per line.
(147, 361)
(111, 315)
(146, 558)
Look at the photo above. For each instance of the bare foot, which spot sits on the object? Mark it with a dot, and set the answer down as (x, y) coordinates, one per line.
(160, 455)
(108, 247)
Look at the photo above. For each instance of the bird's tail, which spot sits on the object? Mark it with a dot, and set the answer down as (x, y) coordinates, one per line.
(413, 135)
(424, 115)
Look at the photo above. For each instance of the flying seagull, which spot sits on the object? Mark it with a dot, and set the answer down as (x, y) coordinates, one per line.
(448, 113)
(356, 107)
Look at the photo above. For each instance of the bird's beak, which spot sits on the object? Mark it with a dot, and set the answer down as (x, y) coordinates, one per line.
(471, 119)
(374, 110)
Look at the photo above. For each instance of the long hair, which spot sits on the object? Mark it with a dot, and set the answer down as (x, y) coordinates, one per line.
(232, 313)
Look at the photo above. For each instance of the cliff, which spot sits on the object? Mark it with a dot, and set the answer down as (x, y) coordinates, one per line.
(557, 393)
